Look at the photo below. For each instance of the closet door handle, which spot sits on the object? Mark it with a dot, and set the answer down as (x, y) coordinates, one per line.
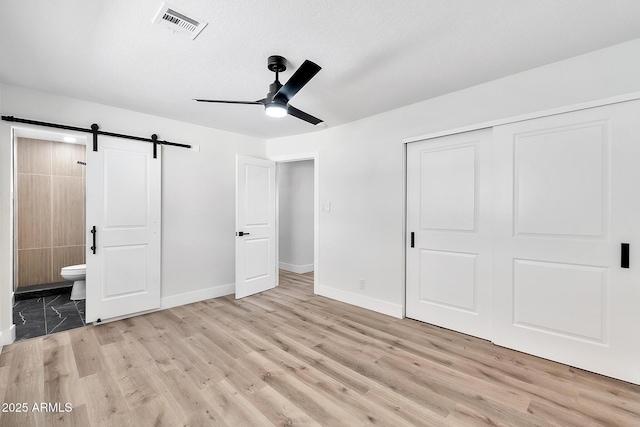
(242, 233)
(94, 232)
(624, 255)
(413, 239)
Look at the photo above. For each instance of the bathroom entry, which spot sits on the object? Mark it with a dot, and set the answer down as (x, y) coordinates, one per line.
(49, 211)
(49, 223)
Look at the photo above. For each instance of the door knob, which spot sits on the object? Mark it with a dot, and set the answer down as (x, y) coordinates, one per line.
(242, 233)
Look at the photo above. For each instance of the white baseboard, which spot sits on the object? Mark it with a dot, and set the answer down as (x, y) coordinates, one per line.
(195, 296)
(299, 269)
(7, 336)
(395, 310)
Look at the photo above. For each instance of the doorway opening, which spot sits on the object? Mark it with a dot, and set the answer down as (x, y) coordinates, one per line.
(298, 215)
(49, 198)
(295, 213)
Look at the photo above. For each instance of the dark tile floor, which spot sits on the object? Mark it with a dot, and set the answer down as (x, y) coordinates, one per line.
(47, 315)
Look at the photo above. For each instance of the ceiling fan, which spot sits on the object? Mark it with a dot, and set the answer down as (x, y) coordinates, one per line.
(276, 104)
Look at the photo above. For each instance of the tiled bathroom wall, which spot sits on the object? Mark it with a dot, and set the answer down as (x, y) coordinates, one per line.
(49, 210)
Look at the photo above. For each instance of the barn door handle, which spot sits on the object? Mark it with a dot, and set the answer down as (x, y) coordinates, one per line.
(242, 233)
(94, 232)
(624, 255)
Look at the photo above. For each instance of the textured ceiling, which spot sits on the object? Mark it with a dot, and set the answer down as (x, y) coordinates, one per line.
(376, 55)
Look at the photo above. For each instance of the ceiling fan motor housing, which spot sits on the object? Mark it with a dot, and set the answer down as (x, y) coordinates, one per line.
(273, 89)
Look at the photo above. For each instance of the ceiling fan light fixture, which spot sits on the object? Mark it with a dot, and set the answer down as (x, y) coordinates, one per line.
(275, 109)
(276, 103)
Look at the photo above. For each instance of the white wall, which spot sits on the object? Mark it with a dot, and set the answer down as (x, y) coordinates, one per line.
(295, 213)
(362, 168)
(198, 189)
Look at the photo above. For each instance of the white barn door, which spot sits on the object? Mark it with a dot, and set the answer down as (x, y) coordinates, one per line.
(123, 203)
(566, 200)
(255, 225)
(449, 232)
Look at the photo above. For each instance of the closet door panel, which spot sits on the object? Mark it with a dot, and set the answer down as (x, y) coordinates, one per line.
(449, 214)
(564, 202)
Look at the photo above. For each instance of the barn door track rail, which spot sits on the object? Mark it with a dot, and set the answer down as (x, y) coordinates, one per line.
(95, 131)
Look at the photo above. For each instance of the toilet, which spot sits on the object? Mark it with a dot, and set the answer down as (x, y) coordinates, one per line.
(77, 274)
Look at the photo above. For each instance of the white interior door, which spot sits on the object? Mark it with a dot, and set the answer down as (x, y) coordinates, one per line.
(123, 203)
(449, 215)
(255, 226)
(566, 198)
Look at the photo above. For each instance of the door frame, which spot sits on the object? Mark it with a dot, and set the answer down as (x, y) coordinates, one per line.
(24, 131)
(288, 158)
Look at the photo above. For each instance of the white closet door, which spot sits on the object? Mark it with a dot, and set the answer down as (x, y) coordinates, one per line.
(566, 198)
(449, 213)
(123, 203)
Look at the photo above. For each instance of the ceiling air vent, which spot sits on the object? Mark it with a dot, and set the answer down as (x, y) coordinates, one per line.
(179, 21)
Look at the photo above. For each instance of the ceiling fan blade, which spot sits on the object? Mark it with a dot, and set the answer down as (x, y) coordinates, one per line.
(300, 78)
(229, 102)
(302, 115)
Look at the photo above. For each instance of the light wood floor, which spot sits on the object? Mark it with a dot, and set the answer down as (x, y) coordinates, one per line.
(287, 358)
